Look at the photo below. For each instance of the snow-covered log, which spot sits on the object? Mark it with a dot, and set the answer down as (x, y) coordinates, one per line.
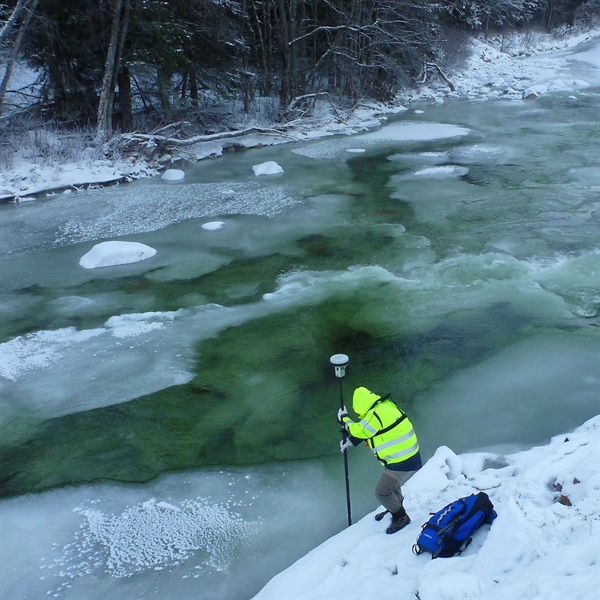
(211, 137)
(150, 143)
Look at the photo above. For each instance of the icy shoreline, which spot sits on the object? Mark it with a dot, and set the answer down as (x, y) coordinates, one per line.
(523, 69)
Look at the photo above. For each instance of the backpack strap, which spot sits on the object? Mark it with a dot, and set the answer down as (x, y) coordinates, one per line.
(396, 422)
(387, 396)
(451, 523)
(399, 420)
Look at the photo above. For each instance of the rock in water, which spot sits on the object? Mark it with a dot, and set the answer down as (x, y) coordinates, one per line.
(267, 168)
(110, 254)
(173, 175)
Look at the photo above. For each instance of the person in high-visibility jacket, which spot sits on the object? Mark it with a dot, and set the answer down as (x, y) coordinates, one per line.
(389, 433)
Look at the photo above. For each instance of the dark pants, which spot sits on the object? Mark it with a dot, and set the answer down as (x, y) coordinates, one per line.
(389, 491)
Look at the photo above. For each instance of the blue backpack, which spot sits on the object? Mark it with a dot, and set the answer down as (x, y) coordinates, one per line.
(450, 530)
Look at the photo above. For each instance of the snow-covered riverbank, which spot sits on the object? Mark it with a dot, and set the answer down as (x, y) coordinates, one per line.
(510, 67)
(544, 544)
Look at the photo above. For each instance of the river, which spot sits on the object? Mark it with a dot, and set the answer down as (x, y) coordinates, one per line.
(168, 426)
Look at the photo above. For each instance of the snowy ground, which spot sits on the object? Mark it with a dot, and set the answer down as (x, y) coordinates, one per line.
(545, 543)
(512, 67)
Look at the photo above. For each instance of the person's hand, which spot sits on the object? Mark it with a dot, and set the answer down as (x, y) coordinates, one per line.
(342, 412)
(344, 444)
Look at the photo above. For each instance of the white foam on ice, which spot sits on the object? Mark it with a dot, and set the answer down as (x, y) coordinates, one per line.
(213, 533)
(39, 350)
(422, 294)
(156, 535)
(421, 158)
(137, 208)
(481, 154)
(125, 326)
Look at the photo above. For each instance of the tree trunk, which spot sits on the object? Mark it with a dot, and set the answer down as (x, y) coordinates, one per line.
(28, 6)
(124, 82)
(282, 22)
(184, 81)
(118, 68)
(549, 15)
(12, 20)
(163, 83)
(193, 87)
(103, 121)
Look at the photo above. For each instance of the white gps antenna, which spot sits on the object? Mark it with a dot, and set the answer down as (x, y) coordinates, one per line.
(339, 362)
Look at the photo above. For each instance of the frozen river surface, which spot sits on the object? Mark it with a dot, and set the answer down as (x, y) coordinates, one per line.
(168, 426)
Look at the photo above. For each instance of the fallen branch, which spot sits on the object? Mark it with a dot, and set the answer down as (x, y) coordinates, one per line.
(211, 137)
(179, 124)
(49, 188)
(294, 103)
(441, 73)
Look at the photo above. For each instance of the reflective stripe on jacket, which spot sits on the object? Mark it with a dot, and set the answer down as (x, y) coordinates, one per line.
(387, 430)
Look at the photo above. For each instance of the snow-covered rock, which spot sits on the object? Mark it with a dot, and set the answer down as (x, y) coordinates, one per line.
(267, 168)
(109, 254)
(442, 171)
(173, 175)
(533, 92)
(213, 225)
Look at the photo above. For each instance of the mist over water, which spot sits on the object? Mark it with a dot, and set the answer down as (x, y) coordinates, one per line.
(181, 410)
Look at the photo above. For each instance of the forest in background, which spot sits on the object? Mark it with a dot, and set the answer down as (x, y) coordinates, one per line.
(135, 65)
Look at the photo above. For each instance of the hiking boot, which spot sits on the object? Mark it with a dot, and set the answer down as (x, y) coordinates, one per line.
(399, 521)
(380, 515)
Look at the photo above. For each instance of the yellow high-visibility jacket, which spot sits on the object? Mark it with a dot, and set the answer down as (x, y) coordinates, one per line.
(386, 429)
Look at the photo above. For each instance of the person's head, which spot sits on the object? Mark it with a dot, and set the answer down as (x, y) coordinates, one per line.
(362, 400)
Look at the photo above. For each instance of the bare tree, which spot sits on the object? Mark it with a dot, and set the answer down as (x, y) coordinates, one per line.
(368, 47)
(23, 12)
(118, 32)
(10, 23)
